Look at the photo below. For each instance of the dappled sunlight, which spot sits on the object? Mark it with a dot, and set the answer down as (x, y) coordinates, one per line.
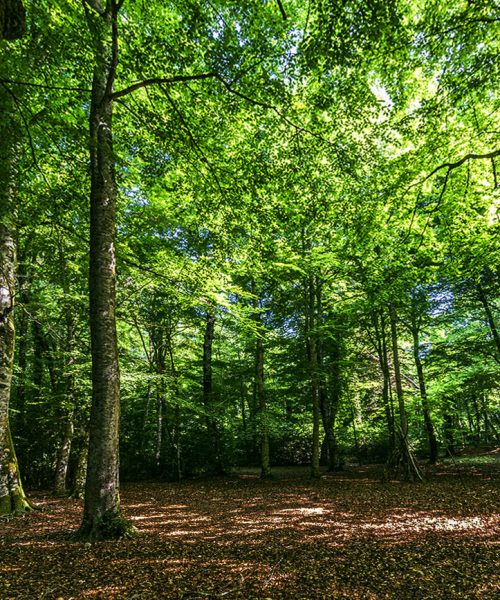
(244, 538)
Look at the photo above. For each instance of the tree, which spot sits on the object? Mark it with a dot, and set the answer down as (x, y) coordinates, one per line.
(12, 497)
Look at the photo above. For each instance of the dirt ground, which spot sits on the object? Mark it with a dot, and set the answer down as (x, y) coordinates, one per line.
(345, 536)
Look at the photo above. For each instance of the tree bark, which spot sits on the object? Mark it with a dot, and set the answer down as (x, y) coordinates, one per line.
(208, 396)
(314, 375)
(78, 490)
(63, 454)
(381, 345)
(102, 517)
(12, 497)
(429, 426)
(259, 389)
(329, 402)
(402, 456)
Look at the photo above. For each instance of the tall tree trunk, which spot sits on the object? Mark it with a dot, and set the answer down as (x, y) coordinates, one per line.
(429, 426)
(381, 345)
(329, 403)
(313, 368)
(402, 456)
(159, 366)
(102, 517)
(176, 433)
(12, 498)
(67, 380)
(259, 389)
(159, 425)
(208, 396)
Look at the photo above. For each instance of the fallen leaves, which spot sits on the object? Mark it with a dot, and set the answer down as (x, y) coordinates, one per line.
(345, 536)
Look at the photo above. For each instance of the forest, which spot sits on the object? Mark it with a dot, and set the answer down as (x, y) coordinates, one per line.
(250, 282)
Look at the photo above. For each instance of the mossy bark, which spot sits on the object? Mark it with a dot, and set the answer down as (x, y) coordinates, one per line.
(12, 498)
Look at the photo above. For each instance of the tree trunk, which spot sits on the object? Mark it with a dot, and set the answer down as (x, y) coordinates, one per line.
(259, 389)
(208, 396)
(329, 403)
(64, 450)
(313, 368)
(12, 498)
(381, 343)
(102, 517)
(402, 456)
(448, 433)
(429, 426)
(176, 433)
(78, 491)
(159, 425)
(63, 454)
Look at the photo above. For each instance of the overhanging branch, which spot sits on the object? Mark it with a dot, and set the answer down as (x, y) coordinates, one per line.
(454, 165)
(160, 81)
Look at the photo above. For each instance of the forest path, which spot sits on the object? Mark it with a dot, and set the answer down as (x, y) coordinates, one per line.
(345, 536)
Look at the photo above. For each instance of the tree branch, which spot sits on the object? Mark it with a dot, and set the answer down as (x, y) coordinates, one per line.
(454, 165)
(160, 81)
(282, 10)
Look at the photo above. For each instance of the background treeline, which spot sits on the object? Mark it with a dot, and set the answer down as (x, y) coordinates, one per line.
(307, 249)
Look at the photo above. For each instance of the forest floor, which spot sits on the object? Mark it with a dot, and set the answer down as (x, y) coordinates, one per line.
(345, 536)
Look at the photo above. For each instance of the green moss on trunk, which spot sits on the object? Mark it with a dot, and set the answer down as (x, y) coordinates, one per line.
(108, 527)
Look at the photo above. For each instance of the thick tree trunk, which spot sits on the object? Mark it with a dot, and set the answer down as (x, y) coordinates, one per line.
(260, 391)
(429, 426)
(208, 396)
(12, 498)
(102, 517)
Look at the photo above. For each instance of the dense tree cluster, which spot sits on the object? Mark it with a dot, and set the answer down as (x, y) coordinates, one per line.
(268, 231)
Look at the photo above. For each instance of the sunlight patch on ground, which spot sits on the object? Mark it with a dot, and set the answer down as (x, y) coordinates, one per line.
(304, 511)
(103, 592)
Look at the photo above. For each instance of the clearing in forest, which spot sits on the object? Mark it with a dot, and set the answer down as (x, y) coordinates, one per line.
(345, 536)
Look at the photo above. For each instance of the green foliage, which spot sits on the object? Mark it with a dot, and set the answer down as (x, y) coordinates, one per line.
(323, 146)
